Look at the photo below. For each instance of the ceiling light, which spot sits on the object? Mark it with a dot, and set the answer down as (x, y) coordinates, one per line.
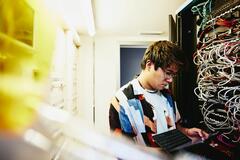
(74, 14)
(90, 19)
(152, 33)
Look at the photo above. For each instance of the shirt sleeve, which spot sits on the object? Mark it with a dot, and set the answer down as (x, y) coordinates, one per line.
(114, 118)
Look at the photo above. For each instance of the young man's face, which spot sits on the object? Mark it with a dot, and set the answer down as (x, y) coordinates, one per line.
(160, 78)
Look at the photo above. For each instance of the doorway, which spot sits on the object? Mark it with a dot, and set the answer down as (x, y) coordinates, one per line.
(130, 58)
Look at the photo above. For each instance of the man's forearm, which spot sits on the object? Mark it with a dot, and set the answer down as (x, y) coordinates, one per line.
(182, 129)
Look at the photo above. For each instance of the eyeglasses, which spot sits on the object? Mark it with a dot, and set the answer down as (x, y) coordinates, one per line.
(169, 74)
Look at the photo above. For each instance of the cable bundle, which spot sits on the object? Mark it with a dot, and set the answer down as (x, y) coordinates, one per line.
(218, 70)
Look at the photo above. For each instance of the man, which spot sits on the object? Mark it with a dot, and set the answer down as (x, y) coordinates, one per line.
(144, 106)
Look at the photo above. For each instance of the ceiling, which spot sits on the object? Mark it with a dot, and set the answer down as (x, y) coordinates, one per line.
(117, 17)
(133, 17)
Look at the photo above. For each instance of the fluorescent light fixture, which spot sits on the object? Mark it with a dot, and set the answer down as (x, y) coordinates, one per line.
(74, 14)
(90, 19)
(152, 33)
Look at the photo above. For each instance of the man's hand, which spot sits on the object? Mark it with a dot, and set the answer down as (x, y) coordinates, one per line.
(196, 133)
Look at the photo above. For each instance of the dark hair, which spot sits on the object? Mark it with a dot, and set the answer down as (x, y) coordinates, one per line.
(163, 54)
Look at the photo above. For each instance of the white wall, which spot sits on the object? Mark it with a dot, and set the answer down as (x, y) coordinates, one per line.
(106, 62)
(97, 89)
(85, 79)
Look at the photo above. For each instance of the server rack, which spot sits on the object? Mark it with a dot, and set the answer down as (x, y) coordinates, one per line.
(192, 106)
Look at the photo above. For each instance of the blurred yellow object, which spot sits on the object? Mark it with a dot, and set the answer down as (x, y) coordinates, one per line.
(25, 60)
(19, 99)
(18, 20)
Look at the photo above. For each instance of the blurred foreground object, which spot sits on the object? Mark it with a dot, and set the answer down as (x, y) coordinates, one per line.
(25, 57)
(59, 135)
